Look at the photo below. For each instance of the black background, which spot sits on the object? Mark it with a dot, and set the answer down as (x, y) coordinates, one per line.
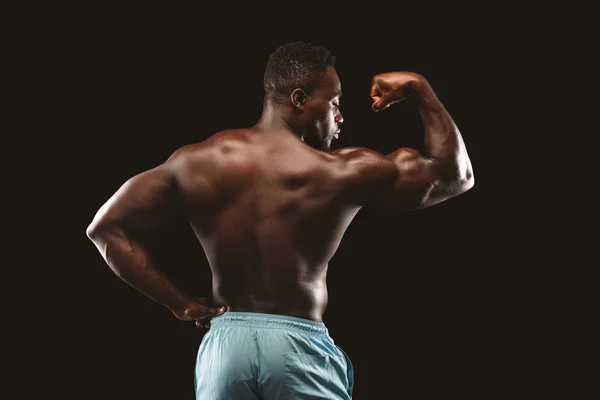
(426, 304)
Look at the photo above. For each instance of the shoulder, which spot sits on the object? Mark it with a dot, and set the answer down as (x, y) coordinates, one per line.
(362, 159)
(363, 171)
(211, 159)
(356, 152)
(218, 143)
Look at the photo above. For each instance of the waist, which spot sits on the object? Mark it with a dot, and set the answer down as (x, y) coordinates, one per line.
(268, 321)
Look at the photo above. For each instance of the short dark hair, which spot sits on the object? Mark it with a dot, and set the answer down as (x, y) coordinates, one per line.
(296, 65)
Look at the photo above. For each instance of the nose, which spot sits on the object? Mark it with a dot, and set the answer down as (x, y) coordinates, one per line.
(339, 119)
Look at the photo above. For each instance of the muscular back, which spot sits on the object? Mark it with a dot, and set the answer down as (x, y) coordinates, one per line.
(269, 212)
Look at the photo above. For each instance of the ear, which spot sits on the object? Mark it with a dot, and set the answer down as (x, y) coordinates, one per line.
(298, 98)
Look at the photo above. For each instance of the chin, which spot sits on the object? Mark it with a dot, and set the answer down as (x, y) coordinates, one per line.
(325, 145)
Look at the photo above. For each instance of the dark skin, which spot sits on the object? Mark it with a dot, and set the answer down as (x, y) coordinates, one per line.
(270, 210)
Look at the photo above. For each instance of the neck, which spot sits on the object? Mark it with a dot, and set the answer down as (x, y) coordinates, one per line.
(274, 119)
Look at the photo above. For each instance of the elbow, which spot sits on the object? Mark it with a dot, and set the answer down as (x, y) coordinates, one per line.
(455, 187)
(93, 230)
(456, 179)
(443, 189)
(98, 229)
(469, 178)
(468, 182)
(463, 184)
(461, 176)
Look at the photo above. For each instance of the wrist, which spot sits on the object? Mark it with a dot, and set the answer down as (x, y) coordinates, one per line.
(180, 308)
(418, 83)
(426, 98)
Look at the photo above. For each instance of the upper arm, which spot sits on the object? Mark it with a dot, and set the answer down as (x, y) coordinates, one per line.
(401, 180)
(363, 172)
(414, 184)
(143, 202)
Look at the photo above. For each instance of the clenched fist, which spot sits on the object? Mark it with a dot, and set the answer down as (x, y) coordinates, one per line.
(201, 312)
(391, 87)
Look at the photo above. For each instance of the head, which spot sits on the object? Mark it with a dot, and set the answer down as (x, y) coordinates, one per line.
(301, 82)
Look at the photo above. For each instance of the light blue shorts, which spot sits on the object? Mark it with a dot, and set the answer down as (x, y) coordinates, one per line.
(257, 356)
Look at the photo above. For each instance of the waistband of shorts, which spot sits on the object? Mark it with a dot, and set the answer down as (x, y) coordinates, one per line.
(263, 320)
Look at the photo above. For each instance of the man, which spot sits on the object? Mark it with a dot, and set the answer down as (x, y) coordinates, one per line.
(270, 211)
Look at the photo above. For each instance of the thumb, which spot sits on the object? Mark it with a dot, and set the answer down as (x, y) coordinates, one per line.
(219, 310)
(380, 102)
(377, 97)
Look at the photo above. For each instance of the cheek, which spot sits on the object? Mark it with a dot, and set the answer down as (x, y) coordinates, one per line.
(329, 119)
(323, 116)
(326, 115)
(321, 110)
(332, 115)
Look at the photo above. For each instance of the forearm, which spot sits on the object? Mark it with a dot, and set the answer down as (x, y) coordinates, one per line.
(443, 141)
(131, 262)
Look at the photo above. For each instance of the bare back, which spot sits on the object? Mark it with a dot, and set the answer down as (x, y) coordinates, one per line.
(268, 209)
(273, 222)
